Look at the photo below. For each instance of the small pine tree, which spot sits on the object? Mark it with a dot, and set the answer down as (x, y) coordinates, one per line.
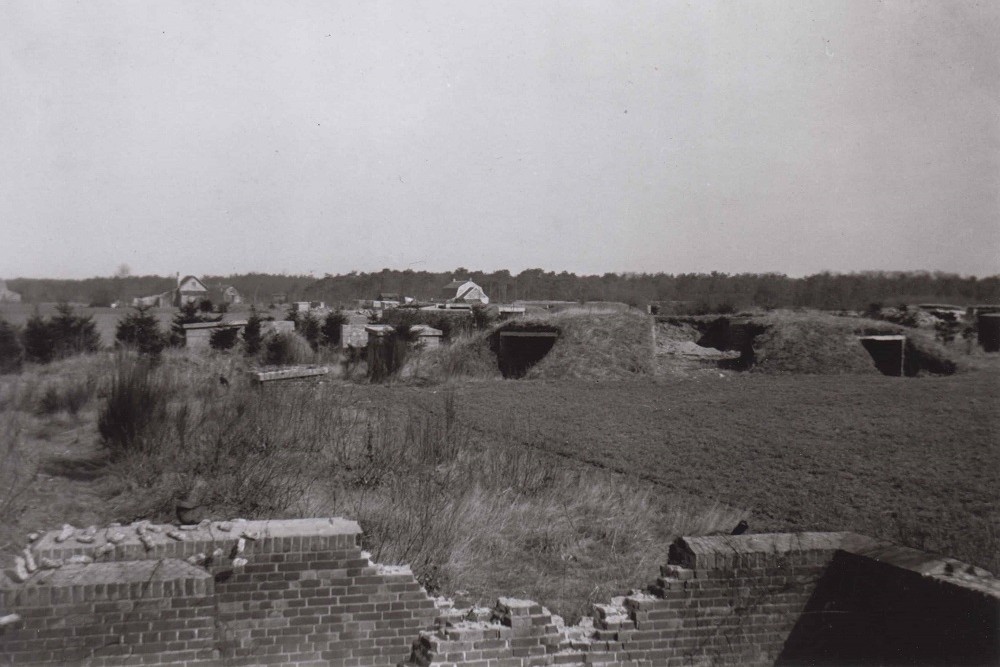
(140, 330)
(331, 329)
(309, 327)
(251, 333)
(187, 313)
(11, 352)
(223, 339)
(37, 340)
(71, 333)
(205, 305)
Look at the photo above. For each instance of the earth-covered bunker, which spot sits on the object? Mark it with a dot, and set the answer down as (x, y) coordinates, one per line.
(521, 345)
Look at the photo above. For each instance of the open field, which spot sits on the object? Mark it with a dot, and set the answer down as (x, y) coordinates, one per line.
(913, 460)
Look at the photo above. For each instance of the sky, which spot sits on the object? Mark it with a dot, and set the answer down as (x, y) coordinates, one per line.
(211, 137)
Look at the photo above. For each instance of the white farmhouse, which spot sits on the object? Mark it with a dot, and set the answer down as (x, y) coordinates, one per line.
(464, 291)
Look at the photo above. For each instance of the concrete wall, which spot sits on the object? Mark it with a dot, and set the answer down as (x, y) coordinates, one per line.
(302, 592)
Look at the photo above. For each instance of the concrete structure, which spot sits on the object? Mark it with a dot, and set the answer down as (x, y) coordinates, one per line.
(197, 336)
(427, 336)
(8, 296)
(464, 291)
(506, 311)
(353, 335)
(303, 592)
(296, 373)
(888, 353)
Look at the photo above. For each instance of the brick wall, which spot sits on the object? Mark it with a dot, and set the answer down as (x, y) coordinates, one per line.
(245, 593)
(751, 600)
(302, 592)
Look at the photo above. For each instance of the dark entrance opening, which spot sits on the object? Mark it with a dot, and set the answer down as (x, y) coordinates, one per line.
(733, 335)
(517, 351)
(888, 353)
(989, 331)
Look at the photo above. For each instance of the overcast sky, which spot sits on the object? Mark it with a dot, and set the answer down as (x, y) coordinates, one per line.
(218, 137)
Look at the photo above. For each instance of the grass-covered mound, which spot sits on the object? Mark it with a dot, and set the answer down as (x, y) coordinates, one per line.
(589, 346)
(595, 347)
(824, 344)
(465, 357)
(815, 343)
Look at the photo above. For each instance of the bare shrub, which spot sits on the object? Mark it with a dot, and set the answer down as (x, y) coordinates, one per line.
(135, 408)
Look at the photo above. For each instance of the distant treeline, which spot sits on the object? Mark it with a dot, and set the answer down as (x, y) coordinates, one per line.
(830, 291)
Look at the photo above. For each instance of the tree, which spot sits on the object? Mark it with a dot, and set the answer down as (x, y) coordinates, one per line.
(187, 314)
(308, 326)
(224, 338)
(73, 334)
(292, 315)
(331, 329)
(140, 330)
(11, 352)
(205, 305)
(37, 340)
(251, 333)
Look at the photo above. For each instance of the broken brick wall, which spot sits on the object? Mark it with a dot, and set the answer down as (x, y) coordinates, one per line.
(752, 600)
(302, 592)
(244, 593)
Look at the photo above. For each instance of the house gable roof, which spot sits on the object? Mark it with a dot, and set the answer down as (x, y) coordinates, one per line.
(184, 285)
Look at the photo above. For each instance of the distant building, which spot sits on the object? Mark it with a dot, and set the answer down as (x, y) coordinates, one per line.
(309, 306)
(231, 295)
(189, 290)
(7, 296)
(464, 291)
(164, 300)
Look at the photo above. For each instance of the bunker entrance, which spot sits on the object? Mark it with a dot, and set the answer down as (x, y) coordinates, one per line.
(732, 335)
(888, 353)
(517, 351)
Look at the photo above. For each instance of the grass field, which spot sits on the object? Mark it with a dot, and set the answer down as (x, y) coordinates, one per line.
(913, 460)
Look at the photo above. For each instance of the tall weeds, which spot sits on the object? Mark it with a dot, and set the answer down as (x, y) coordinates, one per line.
(468, 511)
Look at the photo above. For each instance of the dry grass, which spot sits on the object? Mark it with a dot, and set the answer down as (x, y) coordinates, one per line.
(482, 517)
(477, 516)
